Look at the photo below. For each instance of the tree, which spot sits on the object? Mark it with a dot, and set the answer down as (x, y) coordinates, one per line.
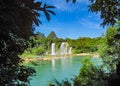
(52, 35)
(39, 35)
(109, 10)
(111, 50)
(111, 55)
(17, 20)
(85, 44)
(90, 75)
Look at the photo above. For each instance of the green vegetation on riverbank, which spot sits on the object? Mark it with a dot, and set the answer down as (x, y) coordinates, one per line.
(41, 45)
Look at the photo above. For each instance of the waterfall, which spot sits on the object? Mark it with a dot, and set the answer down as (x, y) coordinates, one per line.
(70, 51)
(64, 48)
(53, 49)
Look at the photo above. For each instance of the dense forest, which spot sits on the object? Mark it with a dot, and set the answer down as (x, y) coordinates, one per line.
(39, 44)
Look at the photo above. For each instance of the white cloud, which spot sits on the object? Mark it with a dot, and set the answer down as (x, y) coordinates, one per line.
(61, 5)
(90, 24)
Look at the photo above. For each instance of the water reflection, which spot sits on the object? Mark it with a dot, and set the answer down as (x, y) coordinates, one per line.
(65, 67)
(53, 66)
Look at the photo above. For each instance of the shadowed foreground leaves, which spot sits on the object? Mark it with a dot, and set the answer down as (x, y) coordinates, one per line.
(17, 21)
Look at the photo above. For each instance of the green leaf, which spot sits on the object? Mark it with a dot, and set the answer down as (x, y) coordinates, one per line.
(51, 12)
(50, 7)
(47, 15)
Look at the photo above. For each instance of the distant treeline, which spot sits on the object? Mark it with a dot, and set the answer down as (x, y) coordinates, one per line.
(85, 44)
(40, 44)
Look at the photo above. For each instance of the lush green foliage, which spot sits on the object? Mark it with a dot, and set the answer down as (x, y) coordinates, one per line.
(17, 20)
(41, 44)
(52, 35)
(90, 75)
(85, 44)
(109, 10)
(111, 50)
(57, 83)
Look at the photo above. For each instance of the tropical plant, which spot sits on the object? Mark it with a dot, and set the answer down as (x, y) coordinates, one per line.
(17, 20)
(57, 83)
(90, 75)
(111, 50)
(38, 51)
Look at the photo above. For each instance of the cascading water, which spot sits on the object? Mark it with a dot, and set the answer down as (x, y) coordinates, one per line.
(53, 49)
(62, 51)
(64, 48)
(70, 51)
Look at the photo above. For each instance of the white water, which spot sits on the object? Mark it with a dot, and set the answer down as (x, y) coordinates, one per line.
(70, 51)
(53, 52)
(64, 49)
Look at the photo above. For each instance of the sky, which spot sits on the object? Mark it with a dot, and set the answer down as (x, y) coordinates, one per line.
(71, 20)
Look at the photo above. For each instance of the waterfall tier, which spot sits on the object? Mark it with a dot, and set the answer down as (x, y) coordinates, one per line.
(53, 52)
(64, 49)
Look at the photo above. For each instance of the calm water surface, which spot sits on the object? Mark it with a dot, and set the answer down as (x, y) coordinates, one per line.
(57, 69)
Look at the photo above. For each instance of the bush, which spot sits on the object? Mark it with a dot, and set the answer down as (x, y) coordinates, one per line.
(38, 51)
(90, 75)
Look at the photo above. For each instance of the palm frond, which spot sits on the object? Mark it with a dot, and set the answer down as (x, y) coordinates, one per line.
(51, 12)
(47, 15)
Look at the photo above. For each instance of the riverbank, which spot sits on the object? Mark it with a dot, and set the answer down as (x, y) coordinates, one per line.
(49, 57)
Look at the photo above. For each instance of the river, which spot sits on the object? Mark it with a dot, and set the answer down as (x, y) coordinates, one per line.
(65, 67)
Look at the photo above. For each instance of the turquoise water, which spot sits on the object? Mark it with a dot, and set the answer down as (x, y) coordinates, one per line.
(57, 69)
